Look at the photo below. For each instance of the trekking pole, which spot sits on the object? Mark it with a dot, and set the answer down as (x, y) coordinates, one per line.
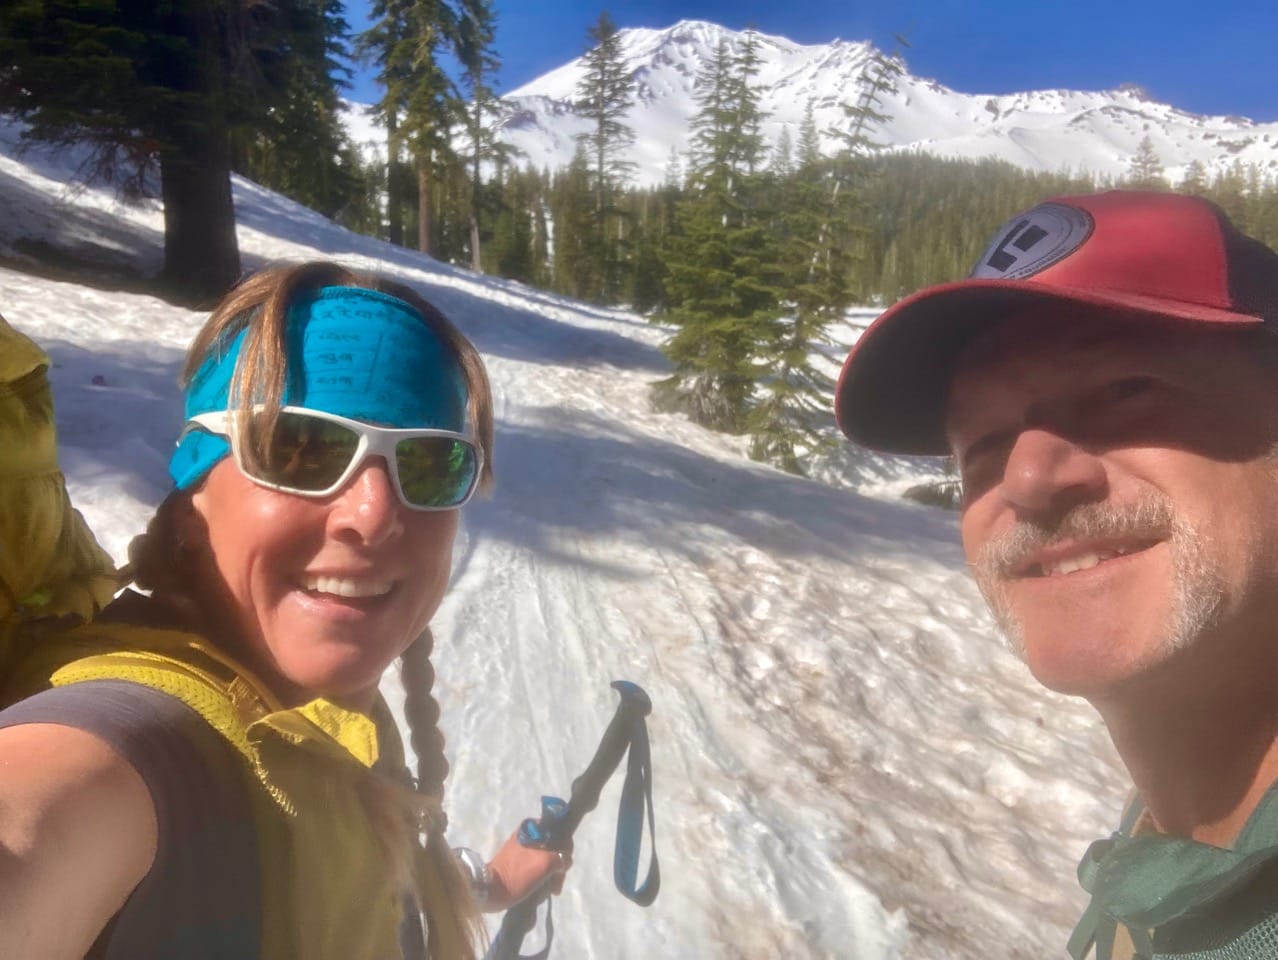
(553, 830)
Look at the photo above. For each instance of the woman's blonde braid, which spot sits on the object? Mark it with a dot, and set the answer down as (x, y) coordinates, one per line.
(422, 713)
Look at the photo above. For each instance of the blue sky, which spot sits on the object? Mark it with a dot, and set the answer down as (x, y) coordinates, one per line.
(1208, 56)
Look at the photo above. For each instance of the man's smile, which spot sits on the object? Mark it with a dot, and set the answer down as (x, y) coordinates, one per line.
(1063, 559)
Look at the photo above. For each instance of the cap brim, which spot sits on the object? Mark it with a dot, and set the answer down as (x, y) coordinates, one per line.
(892, 391)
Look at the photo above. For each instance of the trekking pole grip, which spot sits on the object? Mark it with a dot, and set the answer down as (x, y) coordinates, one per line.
(635, 705)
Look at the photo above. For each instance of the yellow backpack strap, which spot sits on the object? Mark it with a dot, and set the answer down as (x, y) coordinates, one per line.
(171, 661)
(199, 687)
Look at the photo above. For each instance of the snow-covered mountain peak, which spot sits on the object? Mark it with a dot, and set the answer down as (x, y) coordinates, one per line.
(1050, 130)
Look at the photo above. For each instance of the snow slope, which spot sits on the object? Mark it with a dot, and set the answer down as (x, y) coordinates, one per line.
(1049, 130)
(847, 762)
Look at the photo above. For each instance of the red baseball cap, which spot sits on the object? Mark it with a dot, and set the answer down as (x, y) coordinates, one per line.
(1127, 254)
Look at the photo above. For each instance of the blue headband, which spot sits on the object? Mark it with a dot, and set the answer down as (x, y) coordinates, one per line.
(350, 351)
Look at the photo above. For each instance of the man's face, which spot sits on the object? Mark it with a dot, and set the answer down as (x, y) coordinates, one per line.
(1120, 491)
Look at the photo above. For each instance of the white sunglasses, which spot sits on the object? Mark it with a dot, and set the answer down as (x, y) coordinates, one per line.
(314, 454)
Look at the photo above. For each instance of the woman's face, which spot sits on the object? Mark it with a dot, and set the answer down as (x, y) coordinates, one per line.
(322, 595)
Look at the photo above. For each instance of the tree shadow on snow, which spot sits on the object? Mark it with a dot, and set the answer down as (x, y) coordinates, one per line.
(71, 240)
(516, 333)
(588, 477)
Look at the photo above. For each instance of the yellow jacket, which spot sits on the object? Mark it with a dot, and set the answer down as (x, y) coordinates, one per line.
(328, 893)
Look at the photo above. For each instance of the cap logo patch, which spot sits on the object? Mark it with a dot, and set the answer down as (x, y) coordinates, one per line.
(1033, 242)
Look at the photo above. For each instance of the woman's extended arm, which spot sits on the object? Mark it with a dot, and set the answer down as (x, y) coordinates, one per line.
(77, 834)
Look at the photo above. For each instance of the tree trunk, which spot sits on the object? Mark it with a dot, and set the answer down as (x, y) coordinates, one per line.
(476, 186)
(423, 208)
(394, 190)
(201, 252)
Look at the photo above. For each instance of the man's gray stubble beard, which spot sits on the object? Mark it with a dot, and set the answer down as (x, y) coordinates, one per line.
(1197, 585)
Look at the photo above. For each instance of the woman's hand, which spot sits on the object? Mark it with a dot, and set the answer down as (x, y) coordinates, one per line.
(516, 872)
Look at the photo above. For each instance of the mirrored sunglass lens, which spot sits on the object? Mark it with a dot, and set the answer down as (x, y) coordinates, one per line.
(436, 471)
(307, 453)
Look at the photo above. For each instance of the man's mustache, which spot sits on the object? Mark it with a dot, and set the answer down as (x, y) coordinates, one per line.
(1150, 519)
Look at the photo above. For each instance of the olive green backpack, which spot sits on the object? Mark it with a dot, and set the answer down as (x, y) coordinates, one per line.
(52, 571)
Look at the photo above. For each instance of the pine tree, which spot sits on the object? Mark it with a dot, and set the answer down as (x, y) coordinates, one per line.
(301, 148)
(1147, 169)
(867, 113)
(809, 148)
(648, 282)
(783, 155)
(513, 254)
(479, 62)
(748, 117)
(1228, 190)
(431, 108)
(723, 265)
(821, 219)
(419, 103)
(793, 395)
(1264, 225)
(362, 211)
(451, 197)
(1195, 180)
(572, 211)
(605, 95)
(379, 46)
(147, 84)
(673, 177)
(541, 218)
(855, 144)
(659, 227)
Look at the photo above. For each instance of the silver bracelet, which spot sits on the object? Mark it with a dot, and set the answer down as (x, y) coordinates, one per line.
(476, 870)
